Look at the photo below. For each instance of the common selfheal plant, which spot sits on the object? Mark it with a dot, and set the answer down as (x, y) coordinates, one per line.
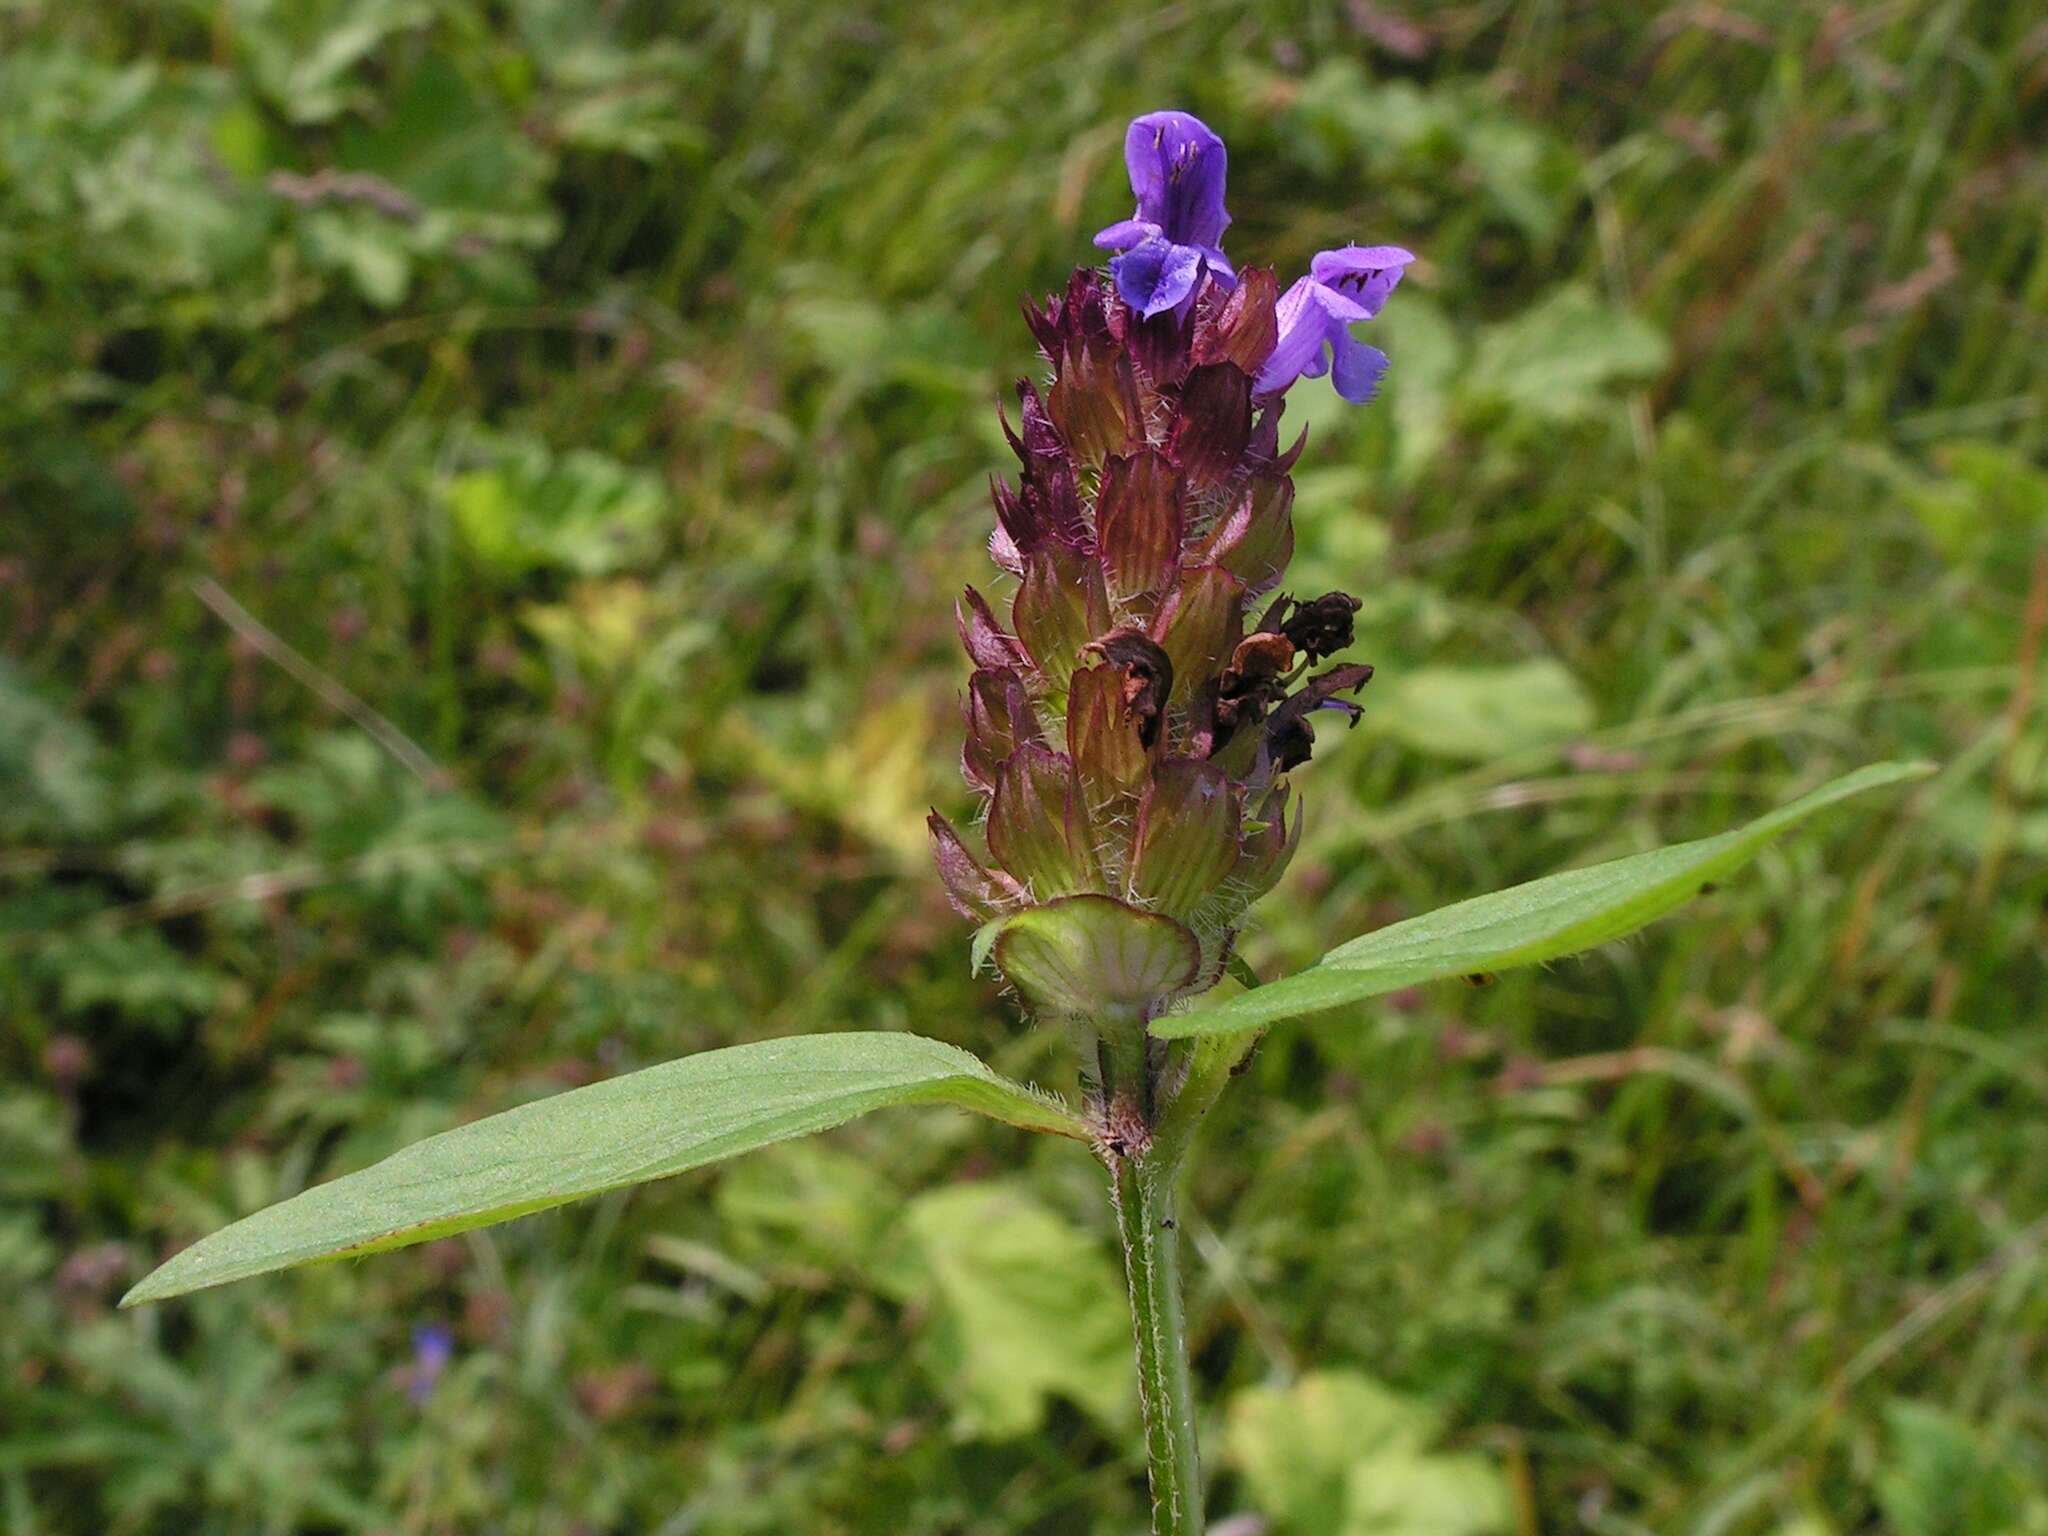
(1133, 729)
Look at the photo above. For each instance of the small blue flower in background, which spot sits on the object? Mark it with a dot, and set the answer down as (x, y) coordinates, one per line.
(1316, 315)
(1177, 168)
(432, 1348)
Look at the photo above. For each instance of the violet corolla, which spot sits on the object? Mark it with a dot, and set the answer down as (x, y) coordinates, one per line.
(1316, 315)
(1177, 168)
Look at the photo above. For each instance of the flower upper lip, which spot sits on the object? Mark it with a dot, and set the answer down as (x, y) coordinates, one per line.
(1366, 274)
(1177, 166)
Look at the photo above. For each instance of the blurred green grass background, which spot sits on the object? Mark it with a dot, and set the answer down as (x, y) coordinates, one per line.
(481, 489)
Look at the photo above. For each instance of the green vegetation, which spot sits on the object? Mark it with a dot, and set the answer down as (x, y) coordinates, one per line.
(481, 489)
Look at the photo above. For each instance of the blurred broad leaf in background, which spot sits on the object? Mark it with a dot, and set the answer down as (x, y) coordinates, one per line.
(1337, 1454)
(809, 1202)
(1482, 713)
(1554, 363)
(875, 779)
(1944, 1477)
(867, 345)
(122, 155)
(1422, 389)
(303, 54)
(1988, 501)
(55, 768)
(134, 974)
(1347, 122)
(462, 180)
(32, 1143)
(386, 839)
(529, 509)
(1024, 1308)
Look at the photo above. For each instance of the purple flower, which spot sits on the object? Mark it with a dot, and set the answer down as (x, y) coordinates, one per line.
(432, 1348)
(1315, 318)
(1177, 166)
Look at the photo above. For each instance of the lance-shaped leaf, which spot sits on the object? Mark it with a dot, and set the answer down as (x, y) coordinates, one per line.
(1528, 924)
(645, 1125)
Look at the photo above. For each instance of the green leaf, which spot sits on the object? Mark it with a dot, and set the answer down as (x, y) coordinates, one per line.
(1335, 539)
(1525, 925)
(1945, 1478)
(1337, 1454)
(373, 252)
(33, 1146)
(58, 773)
(1482, 713)
(1555, 361)
(646, 1125)
(1429, 1496)
(1295, 1446)
(532, 510)
(1022, 1307)
(303, 54)
(1424, 386)
(136, 974)
(809, 1203)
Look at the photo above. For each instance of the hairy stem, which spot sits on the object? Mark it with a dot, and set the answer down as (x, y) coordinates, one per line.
(1144, 1188)
(1145, 1184)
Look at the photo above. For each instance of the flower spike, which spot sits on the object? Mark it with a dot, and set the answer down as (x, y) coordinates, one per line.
(1132, 731)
